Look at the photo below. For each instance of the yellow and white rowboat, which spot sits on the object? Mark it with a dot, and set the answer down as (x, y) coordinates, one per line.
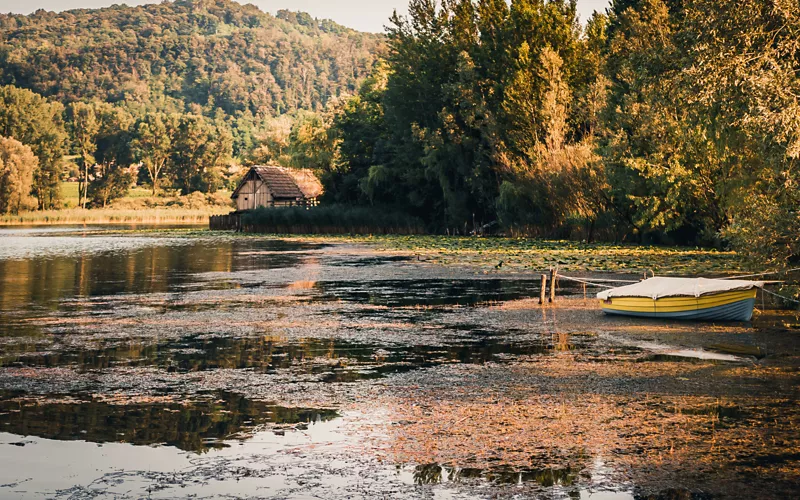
(683, 298)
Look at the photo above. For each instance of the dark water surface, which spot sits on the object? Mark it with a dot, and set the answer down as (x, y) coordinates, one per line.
(176, 364)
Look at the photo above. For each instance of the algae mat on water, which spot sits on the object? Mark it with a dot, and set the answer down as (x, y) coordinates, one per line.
(534, 254)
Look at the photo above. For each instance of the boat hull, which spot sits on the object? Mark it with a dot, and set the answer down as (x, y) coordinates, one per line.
(727, 306)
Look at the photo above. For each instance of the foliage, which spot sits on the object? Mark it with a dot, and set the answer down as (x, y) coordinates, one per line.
(660, 121)
(152, 145)
(186, 56)
(198, 148)
(471, 113)
(333, 219)
(37, 123)
(17, 165)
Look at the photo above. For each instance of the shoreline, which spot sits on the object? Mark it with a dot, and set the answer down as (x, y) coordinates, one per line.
(73, 216)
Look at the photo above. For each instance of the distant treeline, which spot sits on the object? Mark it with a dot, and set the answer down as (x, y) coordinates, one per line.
(672, 121)
(183, 89)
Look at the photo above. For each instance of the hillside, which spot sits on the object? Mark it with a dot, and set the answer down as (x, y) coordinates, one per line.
(197, 56)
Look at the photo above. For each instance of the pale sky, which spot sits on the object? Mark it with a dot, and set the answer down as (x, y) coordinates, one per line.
(363, 15)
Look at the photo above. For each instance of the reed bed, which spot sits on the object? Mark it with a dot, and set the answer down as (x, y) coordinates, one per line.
(114, 216)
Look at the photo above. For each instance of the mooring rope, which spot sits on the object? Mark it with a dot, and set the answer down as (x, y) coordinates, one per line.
(766, 273)
(568, 278)
(781, 296)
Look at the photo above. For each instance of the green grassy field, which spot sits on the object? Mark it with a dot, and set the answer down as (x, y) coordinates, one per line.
(70, 197)
(139, 206)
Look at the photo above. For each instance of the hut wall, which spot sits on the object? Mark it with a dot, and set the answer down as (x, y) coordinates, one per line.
(252, 195)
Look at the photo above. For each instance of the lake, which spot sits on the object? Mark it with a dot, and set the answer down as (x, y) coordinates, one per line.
(172, 363)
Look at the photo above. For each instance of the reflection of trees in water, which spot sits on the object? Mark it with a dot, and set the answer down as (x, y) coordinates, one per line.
(195, 426)
(430, 292)
(153, 269)
(428, 474)
(334, 360)
(434, 473)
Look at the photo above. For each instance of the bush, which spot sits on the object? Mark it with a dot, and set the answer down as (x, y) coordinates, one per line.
(332, 219)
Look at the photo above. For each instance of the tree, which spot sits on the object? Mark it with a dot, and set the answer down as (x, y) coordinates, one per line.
(83, 127)
(32, 120)
(152, 144)
(746, 79)
(17, 165)
(112, 176)
(198, 148)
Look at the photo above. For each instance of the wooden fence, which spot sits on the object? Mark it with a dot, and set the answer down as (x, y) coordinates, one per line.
(232, 221)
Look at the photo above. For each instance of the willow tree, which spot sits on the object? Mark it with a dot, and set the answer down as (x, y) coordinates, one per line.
(17, 165)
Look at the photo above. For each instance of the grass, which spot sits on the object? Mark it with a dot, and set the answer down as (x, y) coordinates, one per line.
(139, 206)
(114, 216)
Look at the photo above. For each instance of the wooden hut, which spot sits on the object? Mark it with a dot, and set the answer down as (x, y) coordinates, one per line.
(273, 186)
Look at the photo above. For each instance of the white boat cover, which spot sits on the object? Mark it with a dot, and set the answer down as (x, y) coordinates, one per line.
(655, 288)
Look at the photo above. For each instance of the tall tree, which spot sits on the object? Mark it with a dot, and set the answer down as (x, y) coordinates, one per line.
(83, 126)
(152, 144)
(198, 148)
(17, 165)
(36, 122)
(113, 175)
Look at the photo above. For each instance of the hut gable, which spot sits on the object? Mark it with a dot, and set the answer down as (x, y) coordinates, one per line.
(269, 186)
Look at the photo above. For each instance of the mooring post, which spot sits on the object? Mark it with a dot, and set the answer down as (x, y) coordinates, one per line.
(543, 291)
(645, 275)
(584, 291)
(553, 275)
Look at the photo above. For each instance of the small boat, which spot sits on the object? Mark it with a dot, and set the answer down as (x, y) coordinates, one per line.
(683, 298)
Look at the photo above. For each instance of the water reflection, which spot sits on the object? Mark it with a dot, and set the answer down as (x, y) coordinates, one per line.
(435, 473)
(430, 292)
(193, 426)
(334, 360)
(104, 267)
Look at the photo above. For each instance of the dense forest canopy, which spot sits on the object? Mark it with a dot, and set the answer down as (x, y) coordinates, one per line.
(220, 81)
(195, 55)
(673, 121)
(660, 120)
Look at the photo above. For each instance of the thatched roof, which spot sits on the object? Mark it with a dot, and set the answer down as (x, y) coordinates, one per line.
(285, 183)
(308, 183)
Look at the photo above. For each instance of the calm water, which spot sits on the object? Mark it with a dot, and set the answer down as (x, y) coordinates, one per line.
(178, 364)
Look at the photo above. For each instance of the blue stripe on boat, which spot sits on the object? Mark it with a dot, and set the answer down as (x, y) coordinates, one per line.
(741, 310)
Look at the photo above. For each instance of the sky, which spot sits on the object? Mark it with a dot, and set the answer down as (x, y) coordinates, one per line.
(363, 15)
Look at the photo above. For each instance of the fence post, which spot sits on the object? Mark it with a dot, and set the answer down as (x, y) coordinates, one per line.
(543, 291)
(553, 275)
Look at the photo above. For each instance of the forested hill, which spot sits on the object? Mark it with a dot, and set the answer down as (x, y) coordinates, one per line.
(186, 56)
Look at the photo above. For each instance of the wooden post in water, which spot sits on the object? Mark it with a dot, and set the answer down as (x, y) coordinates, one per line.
(553, 274)
(543, 291)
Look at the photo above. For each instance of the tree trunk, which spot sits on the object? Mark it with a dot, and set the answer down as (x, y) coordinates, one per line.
(85, 182)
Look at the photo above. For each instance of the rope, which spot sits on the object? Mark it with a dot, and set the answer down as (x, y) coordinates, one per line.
(605, 280)
(766, 273)
(781, 296)
(582, 281)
